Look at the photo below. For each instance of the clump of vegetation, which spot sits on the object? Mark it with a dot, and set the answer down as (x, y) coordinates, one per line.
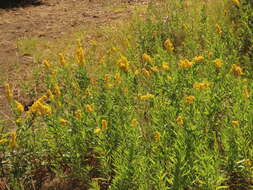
(168, 107)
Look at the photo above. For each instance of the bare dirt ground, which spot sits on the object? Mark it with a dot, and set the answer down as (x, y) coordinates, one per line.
(48, 19)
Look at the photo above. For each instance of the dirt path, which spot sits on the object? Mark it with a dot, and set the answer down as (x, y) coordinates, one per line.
(48, 20)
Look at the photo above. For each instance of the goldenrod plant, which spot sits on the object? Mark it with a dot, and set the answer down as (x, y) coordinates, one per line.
(169, 108)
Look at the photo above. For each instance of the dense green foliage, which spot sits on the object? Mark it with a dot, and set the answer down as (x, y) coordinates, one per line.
(171, 108)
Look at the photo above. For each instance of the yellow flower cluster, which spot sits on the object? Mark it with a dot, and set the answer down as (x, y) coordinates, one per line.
(117, 78)
(165, 66)
(80, 55)
(134, 123)
(180, 120)
(8, 92)
(147, 58)
(146, 97)
(189, 99)
(157, 135)
(57, 90)
(201, 85)
(46, 64)
(39, 108)
(97, 130)
(169, 78)
(62, 59)
(78, 114)
(63, 121)
(103, 127)
(217, 63)
(236, 70)
(246, 92)
(102, 60)
(185, 64)
(168, 45)
(19, 107)
(154, 69)
(197, 59)
(236, 2)
(235, 123)
(104, 124)
(107, 77)
(146, 72)
(89, 108)
(218, 29)
(123, 64)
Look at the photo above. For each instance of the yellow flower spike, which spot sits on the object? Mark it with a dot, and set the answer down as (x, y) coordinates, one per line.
(168, 45)
(236, 70)
(62, 59)
(2, 141)
(218, 29)
(46, 110)
(39, 108)
(80, 55)
(8, 92)
(19, 107)
(147, 58)
(157, 136)
(217, 63)
(97, 130)
(57, 90)
(236, 2)
(180, 120)
(46, 64)
(246, 92)
(63, 122)
(201, 85)
(165, 66)
(146, 72)
(123, 64)
(185, 64)
(154, 69)
(198, 59)
(134, 123)
(235, 123)
(104, 124)
(117, 77)
(78, 114)
(189, 99)
(13, 140)
(89, 108)
(107, 77)
(88, 92)
(42, 98)
(146, 97)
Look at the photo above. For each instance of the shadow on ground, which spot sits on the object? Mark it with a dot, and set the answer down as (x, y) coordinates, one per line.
(10, 4)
